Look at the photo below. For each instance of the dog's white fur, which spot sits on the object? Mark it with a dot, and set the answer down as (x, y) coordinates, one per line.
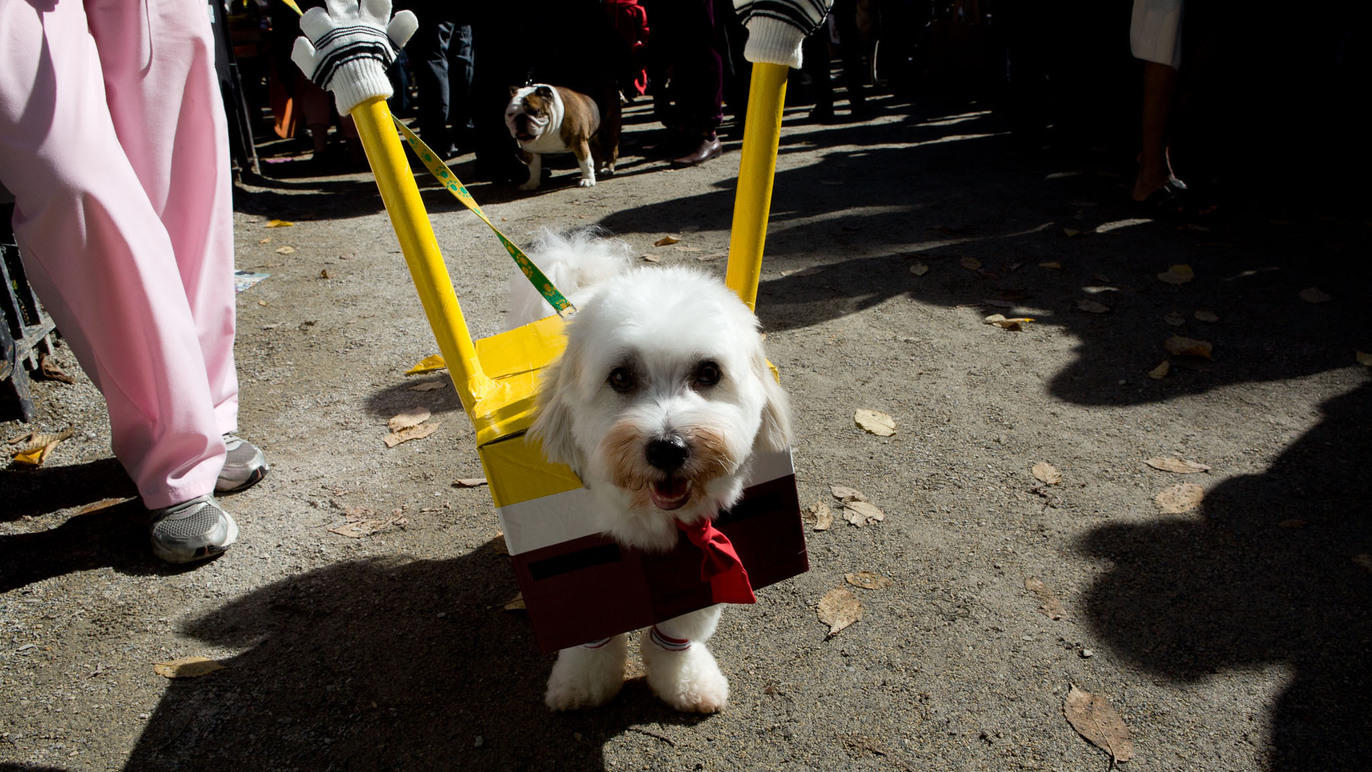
(692, 357)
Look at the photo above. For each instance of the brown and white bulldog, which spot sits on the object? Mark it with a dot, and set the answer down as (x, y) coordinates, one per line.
(553, 119)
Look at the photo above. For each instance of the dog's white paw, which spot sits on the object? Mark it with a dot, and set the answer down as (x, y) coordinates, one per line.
(585, 678)
(585, 183)
(532, 184)
(689, 681)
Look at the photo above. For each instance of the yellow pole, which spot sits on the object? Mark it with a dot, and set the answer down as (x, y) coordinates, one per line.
(756, 168)
(411, 222)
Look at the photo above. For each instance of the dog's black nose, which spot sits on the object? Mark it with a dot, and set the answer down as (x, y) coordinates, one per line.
(668, 453)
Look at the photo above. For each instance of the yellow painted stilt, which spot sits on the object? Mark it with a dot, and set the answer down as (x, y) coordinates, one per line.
(757, 165)
(400, 194)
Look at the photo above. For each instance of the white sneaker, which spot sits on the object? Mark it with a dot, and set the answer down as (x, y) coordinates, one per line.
(244, 465)
(192, 530)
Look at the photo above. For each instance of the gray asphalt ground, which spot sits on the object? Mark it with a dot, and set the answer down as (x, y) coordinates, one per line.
(1232, 636)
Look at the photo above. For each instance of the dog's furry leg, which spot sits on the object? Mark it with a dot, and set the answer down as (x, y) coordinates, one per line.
(535, 162)
(582, 151)
(587, 676)
(681, 671)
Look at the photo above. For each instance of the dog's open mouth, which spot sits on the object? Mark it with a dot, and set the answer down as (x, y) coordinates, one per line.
(670, 493)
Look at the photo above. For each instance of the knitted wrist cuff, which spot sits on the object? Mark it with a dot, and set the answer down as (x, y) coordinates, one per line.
(357, 81)
(773, 40)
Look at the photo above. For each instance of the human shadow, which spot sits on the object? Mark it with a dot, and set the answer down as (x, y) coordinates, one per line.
(34, 492)
(380, 664)
(1277, 570)
(115, 535)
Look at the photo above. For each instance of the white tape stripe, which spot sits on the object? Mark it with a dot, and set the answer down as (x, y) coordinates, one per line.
(570, 515)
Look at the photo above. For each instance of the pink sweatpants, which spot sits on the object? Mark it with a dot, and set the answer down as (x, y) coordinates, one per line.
(113, 142)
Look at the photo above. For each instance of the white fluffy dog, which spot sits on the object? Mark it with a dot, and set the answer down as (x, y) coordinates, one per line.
(659, 402)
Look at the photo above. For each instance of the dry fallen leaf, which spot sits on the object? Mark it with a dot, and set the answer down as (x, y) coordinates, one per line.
(666, 240)
(1051, 265)
(867, 580)
(970, 263)
(1177, 274)
(1160, 372)
(839, 608)
(1209, 317)
(1180, 498)
(1047, 473)
(279, 223)
(49, 371)
(187, 667)
(410, 433)
(845, 494)
(34, 449)
(428, 386)
(1071, 233)
(1176, 465)
(822, 515)
(860, 513)
(1000, 321)
(1178, 345)
(1092, 307)
(285, 250)
(412, 417)
(324, 274)
(875, 422)
(362, 521)
(516, 603)
(919, 269)
(650, 258)
(1094, 719)
(428, 364)
(1048, 602)
(1315, 295)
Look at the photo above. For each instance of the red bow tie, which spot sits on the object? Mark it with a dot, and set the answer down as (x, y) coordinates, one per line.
(720, 567)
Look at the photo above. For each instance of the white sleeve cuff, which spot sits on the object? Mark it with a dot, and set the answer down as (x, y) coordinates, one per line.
(774, 41)
(357, 81)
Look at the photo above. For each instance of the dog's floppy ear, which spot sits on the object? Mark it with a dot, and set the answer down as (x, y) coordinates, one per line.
(514, 90)
(775, 433)
(552, 425)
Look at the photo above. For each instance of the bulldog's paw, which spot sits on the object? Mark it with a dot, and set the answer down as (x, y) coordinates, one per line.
(586, 182)
(530, 184)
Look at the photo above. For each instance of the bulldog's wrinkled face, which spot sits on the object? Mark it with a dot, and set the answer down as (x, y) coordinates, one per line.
(529, 115)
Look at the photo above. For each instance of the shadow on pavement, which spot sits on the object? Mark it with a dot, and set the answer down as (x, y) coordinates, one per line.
(115, 535)
(381, 664)
(1242, 586)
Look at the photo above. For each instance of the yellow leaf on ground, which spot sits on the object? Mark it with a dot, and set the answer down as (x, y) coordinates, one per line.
(1047, 473)
(867, 580)
(838, 609)
(410, 433)
(1048, 601)
(187, 667)
(1179, 498)
(279, 223)
(666, 240)
(1160, 372)
(405, 420)
(428, 364)
(1181, 346)
(875, 422)
(34, 448)
(516, 603)
(1176, 465)
(1000, 321)
(1177, 274)
(1094, 719)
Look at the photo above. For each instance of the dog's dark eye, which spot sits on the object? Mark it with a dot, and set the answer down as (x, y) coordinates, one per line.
(622, 380)
(707, 374)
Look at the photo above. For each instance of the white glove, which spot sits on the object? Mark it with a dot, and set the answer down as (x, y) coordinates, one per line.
(347, 48)
(776, 28)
